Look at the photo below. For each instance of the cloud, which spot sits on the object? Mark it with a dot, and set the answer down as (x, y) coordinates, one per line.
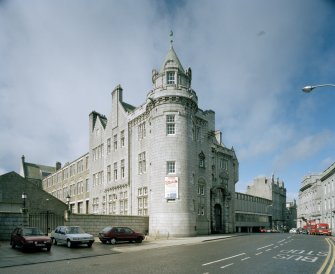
(61, 59)
(304, 149)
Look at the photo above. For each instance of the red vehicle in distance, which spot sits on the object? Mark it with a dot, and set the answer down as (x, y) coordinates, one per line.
(320, 229)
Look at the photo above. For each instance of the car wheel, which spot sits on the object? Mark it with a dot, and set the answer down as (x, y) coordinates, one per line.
(103, 241)
(13, 244)
(54, 241)
(113, 241)
(69, 244)
(139, 240)
(89, 244)
(48, 248)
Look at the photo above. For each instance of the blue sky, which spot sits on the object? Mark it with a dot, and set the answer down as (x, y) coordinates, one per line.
(60, 60)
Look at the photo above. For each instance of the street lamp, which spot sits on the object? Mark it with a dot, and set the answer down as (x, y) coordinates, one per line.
(308, 89)
(24, 197)
(68, 201)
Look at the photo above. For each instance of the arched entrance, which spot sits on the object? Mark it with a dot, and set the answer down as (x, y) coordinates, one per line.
(218, 219)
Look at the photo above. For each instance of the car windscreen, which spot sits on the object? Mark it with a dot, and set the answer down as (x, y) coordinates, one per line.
(32, 232)
(106, 229)
(74, 230)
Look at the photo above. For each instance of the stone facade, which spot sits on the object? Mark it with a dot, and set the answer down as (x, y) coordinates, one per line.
(163, 159)
(309, 201)
(274, 190)
(72, 181)
(252, 213)
(317, 198)
(39, 208)
(328, 197)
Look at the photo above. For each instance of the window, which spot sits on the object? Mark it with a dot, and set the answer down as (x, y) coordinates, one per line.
(171, 167)
(109, 177)
(141, 131)
(170, 124)
(108, 145)
(95, 205)
(170, 78)
(201, 189)
(202, 160)
(123, 203)
(86, 186)
(115, 171)
(80, 187)
(122, 169)
(141, 163)
(142, 201)
(115, 142)
(122, 138)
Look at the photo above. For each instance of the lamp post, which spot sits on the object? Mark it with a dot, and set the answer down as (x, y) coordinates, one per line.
(24, 197)
(24, 210)
(47, 200)
(68, 202)
(308, 89)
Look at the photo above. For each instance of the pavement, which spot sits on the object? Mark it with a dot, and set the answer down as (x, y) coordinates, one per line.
(153, 242)
(12, 257)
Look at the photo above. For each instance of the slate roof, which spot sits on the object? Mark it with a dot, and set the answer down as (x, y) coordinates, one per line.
(171, 60)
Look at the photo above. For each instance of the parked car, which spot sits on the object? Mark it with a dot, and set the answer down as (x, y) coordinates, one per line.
(112, 234)
(71, 235)
(293, 230)
(30, 237)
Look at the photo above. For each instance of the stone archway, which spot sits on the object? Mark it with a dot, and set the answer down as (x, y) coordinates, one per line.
(220, 213)
(217, 219)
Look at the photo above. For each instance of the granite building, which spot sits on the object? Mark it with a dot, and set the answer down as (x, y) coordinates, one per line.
(164, 159)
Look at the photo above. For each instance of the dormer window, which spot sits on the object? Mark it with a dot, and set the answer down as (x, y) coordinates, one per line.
(170, 78)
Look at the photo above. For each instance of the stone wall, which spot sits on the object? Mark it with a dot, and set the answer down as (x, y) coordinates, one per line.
(8, 221)
(93, 224)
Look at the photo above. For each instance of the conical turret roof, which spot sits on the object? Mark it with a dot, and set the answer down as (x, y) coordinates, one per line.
(171, 61)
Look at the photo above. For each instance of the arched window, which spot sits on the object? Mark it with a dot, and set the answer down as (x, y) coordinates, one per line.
(202, 160)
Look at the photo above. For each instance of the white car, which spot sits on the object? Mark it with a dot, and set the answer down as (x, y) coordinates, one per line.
(71, 235)
(293, 230)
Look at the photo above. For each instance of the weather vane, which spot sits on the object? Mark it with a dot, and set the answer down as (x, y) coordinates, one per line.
(171, 36)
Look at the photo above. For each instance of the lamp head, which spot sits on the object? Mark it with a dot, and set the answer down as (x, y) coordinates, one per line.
(307, 89)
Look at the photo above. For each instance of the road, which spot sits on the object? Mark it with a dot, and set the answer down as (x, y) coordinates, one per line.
(252, 253)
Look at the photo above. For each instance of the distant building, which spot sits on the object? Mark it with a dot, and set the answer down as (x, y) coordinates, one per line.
(252, 213)
(291, 215)
(317, 198)
(35, 173)
(163, 159)
(328, 197)
(309, 200)
(274, 190)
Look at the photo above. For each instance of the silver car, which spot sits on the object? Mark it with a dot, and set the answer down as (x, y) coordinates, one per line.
(71, 235)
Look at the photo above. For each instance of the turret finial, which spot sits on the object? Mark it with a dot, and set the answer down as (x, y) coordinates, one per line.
(171, 37)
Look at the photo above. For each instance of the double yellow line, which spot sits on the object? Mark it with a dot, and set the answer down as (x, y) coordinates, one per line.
(330, 259)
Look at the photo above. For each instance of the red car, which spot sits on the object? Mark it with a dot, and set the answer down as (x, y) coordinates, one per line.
(112, 234)
(30, 237)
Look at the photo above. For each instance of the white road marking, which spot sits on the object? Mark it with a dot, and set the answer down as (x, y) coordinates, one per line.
(246, 258)
(226, 265)
(258, 253)
(268, 249)
(281, 241)
(264, 246)
(224, 259)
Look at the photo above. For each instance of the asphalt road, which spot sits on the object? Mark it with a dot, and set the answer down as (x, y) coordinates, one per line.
(252, 253)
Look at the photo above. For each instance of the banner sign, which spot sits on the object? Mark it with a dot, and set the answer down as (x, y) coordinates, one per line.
(171, 188)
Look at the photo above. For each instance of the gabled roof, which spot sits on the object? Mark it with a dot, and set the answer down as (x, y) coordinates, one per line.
(36, 171)
(127, 107)
(99, 116)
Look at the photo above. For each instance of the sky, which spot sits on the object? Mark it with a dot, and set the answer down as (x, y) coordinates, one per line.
(60, 60)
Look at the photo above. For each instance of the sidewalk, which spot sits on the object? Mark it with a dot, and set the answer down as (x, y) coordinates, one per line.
(151, 242)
